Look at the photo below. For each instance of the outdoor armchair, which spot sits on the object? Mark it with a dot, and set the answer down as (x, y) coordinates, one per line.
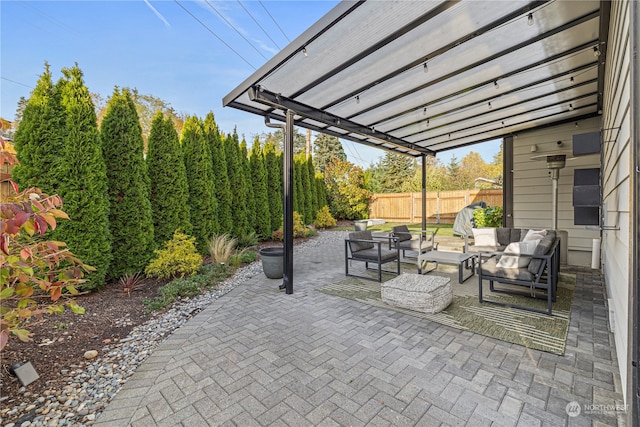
(418, 241)
(360, 246)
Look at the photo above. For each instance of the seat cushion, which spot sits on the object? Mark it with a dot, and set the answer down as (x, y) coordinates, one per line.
(372, 254)
(359, 246)
(401, 232)
(490, 268)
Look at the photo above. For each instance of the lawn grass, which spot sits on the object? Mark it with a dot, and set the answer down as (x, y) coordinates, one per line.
(442, 229)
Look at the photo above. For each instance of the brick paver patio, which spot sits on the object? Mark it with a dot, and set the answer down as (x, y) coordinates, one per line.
(259, 357)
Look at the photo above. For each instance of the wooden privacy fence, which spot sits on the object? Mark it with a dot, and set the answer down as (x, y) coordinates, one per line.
(442, 206)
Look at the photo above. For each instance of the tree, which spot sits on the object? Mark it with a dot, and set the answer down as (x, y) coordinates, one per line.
(325, 148)
(236, 182)
(308, 213)
(219, 162)
(396, 170)
(472, 166)
(348, 199)
(169, 189)
(277, 138)
(130, 219)
(39, 138)
(248, 188)
(453, 172)
(274, 180)
(259, 179)
(199, 167)
(311, 185)
(299, 199)
(83, 179)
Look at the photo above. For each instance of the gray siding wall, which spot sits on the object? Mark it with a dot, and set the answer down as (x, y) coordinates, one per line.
(616, 244)
(532, 184)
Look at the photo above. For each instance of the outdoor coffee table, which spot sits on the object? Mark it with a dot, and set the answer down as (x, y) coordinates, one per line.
(448, 258)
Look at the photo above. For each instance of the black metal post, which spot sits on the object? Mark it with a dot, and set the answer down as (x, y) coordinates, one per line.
(424, 192)
(287, 181)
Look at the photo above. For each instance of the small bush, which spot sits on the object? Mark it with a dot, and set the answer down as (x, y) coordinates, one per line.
(208, 277)
(221, 247)
(179, 259)
(131, 282)
(491, 216)
(247, 240)
(324, 218)
(299, 230)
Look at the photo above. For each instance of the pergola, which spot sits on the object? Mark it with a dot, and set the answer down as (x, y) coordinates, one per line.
(420, 77)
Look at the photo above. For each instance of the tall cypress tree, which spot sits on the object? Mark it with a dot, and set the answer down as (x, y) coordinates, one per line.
(130, 219)
(259, 182)
(248, 188)
(299, 202)
(321, 189)
(39, 139)
(83, 180)
(274, 179)
(223, 191)
(313, 191)
(309, 214)
(169, 190)
(236, 182)
(199, 167)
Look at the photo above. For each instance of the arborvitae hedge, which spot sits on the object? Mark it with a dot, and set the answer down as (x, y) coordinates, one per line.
(259, 183)
(169, 191)
(299, 196)
(130, 218)
(274, 184)
(321, 190)
(248, 188)
(83, 180)
(313, 190)
(236, 182)
(309, 213)
(199, 166)
(219, 161)
(39, 139)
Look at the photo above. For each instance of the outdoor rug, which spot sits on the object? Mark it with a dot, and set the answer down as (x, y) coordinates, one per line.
(532, 330)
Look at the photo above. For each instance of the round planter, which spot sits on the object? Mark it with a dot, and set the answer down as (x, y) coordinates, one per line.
(360, 225)
(272, 262)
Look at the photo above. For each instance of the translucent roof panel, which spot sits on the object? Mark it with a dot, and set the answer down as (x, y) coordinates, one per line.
(419, 77)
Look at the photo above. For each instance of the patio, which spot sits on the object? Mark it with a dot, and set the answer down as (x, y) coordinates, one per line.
(260, 357)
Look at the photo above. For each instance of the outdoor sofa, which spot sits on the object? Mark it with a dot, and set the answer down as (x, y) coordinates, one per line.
(536, 271)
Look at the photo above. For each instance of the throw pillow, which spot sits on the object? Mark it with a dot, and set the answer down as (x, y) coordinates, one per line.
(510, 259)
(534, 235)
(484, 236)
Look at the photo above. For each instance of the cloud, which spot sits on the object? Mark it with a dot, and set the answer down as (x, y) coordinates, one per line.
(158, 14)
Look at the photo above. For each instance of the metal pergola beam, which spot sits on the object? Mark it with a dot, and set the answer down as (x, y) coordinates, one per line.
(259, 94)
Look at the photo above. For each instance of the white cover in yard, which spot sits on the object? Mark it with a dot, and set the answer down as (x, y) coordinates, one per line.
(427, 294)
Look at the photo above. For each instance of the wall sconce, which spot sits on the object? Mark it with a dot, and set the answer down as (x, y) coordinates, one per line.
(534, 148)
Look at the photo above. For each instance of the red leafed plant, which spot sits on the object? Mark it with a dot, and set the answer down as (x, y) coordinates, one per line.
(31, 267)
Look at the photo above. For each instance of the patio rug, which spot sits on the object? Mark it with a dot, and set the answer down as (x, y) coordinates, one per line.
(530, 329)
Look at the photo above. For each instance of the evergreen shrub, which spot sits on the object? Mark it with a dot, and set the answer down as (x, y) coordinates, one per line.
(179, 258)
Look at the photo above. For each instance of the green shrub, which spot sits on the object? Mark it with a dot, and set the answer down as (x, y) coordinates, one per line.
(491, 216)
(179, 259)
(324, 218)
(208, 277)
(299, 229)
(247, 240)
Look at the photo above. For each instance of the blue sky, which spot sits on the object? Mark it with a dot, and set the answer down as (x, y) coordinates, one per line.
(159, 48)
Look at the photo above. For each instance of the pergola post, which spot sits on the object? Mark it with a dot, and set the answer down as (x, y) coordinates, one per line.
(424, 192)
(287, 180)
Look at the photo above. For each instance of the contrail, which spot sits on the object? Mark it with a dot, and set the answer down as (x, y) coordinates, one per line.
(158, 14)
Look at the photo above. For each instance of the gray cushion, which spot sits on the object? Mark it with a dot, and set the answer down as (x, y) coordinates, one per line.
(517, 234)
(372, 254)
(401, 232)
(542, 249)
(489, 268)
(359, 246)
(415, 245)
(503, 235)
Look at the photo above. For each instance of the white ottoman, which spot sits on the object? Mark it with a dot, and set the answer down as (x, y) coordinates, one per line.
(427, 294)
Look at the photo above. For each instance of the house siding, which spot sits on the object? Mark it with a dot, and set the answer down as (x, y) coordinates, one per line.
(616, 238)
(532, 185)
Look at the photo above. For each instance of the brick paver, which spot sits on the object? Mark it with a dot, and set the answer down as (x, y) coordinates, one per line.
(259, 357)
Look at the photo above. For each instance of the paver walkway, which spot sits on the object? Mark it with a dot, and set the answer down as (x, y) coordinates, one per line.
(259, 357)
